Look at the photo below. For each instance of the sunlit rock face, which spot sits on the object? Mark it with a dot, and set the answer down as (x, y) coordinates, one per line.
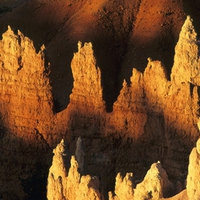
(87, 87)
(23, 82)
(123, 187)
(58, 172)
(67, 183)
(186, 60)
(161, 112)
(153, 118)
(27, 118)
(86, 106)
(155, 184)
(193, 187)
(129, 114)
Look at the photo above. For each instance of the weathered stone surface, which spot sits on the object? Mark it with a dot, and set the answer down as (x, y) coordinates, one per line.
(155, 184)
(155, 86)
(86, 106)
(155, 118)
(28, 123)
(58, 171)
(129, 113)
(193, 187)
(69, 184)
(87, 87)
(186, 66)
(152, 119)
(123, 187)
(79, 154)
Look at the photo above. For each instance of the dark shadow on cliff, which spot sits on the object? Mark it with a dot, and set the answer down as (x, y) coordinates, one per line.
(35, 185)
(24, 164)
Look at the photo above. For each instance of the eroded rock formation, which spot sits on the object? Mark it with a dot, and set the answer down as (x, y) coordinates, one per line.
(186, 60)
(155, 184)
(28, 123)
(153, 118)
(123, 187)
(86, 106)
(194, 173)
(58, 173)
(65, 182)
(69, 184)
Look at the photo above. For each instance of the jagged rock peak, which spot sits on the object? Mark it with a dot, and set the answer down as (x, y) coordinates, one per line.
(57, 173)
(19, 51)
(186, 66)
(123, 187)
(87, 77)
(155, 184)
(60, 149)
(69, 184)
(188, 31)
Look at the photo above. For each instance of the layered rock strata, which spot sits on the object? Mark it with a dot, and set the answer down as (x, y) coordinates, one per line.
(86, 106)
(153, 118)
(28, 123)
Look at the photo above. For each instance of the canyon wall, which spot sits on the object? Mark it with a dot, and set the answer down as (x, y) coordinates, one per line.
(153, 118)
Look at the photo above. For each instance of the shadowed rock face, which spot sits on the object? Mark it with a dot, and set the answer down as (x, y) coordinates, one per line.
(152, 118)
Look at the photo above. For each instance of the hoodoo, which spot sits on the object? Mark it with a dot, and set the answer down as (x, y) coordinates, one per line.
(121, 100)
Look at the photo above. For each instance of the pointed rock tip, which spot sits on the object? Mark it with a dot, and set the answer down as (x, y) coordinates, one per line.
(62, 142)
(86, 44)
(189, 19)
(9, 28)
(19, 32)
(42, 48)
(189, 22)
(79, 45)
(149, 59)
(74, 162)
(188, 25)
(124, 83)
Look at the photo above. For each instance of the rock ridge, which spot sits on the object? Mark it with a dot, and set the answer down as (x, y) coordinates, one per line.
(70, 184)
(153, 118)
